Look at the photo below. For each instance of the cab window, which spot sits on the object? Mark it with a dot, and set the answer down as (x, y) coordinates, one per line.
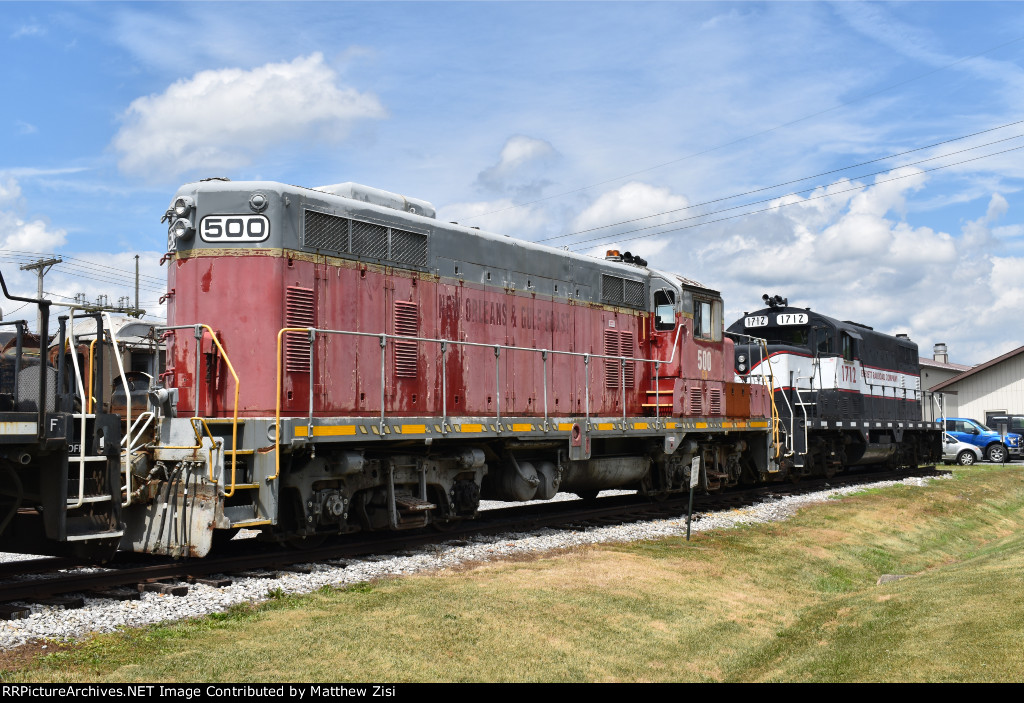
(702, 318)
(849, 347)
(824, 340)
(664, 310)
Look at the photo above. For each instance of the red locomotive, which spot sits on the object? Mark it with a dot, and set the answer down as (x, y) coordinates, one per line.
(392, 369)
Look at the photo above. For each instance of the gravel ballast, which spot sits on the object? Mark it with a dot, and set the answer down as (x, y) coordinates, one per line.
(103, 615)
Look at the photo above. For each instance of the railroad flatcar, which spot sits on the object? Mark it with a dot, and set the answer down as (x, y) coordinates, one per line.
(846, 394)
(60, 461)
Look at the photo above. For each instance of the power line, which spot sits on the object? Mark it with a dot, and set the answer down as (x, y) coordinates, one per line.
(805, 178)
(782, 205)
(107, 279)
(775, 197)
(755, 134)
(84, 263)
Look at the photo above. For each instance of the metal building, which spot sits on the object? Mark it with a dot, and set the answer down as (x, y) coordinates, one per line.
(996, 386)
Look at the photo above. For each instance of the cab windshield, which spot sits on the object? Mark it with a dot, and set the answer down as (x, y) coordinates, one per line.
(792, 336)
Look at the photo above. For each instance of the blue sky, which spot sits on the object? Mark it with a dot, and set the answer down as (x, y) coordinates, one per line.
(482, 107)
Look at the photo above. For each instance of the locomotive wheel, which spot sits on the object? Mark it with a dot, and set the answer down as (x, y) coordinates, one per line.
(965, 458)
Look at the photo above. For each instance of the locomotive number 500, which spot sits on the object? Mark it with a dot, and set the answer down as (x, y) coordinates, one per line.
(234, 228)
(703, 359)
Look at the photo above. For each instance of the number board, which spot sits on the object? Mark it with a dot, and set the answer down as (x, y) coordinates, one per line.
(791, 318)
(234, 228)
(756, 321)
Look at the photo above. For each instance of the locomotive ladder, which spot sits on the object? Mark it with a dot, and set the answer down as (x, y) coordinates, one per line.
(92, 507)
(245, 514)
(241, 514)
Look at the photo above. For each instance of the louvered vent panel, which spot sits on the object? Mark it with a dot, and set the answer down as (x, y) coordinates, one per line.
(408, 247)
(321, 231)
(696, 398)
(715, 401)
(299, 311)
(406, 353)
(611, 366)
(611, 289)
(626, 349)
(633, 294)
(369, 240)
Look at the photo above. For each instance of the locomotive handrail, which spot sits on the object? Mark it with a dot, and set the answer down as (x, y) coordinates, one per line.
(81, 392)
(128, 410)
(312, 332)
(44, 335)
(90, 382)
(20, 330)
(768, 380)
(146, 419)
(198, 330)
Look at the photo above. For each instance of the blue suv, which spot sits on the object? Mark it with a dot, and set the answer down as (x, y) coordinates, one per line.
(989, 441)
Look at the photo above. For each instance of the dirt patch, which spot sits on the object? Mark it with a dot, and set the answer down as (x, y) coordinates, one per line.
(23, 656)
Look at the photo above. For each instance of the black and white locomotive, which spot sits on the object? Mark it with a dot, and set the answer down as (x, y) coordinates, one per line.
(845, 394)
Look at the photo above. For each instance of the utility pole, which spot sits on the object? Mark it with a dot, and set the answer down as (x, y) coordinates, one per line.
(137, 314)
(41, 267)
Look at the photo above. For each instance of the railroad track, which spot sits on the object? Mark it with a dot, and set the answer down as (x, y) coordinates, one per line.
(61, 582)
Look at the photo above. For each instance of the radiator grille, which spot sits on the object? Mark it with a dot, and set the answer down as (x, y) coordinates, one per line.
(618, 344)
(611, 289)
(626, 349)
(611, 366)
(622, 291)
(696, 398)
(408, 247)
(406, 353)
(321, 231)
(633, 294)
(365, 239)
(299, 311)
(714, 401)
(368, 240)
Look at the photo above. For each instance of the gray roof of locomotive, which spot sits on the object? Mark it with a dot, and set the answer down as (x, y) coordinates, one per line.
(453, 250)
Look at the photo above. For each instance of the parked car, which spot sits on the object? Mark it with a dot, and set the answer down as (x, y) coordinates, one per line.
(953, 450)
(989, 441)
(1013, 423)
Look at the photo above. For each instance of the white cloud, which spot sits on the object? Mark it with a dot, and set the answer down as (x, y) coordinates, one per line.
(520, 167)
(28, 30)
(632, 205)
(25, 128)
(221, 120)
(20, 233)
(852, 255)
(10, 191)
(29, 235)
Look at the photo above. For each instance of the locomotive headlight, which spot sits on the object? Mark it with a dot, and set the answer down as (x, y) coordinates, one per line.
(258, 202)
(742, 367)
(741, 358)
(182, 228)
(182, 205)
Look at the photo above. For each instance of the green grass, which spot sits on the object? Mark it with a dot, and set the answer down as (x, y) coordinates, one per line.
(791, 601)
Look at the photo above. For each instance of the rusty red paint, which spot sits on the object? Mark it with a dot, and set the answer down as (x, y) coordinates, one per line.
(244, 300)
